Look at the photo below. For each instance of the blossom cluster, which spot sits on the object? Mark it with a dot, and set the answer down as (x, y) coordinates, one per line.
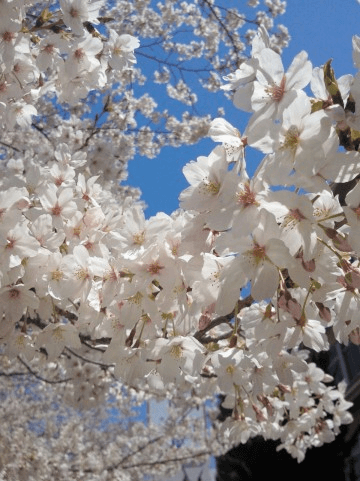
(68, 63)
(162, 301)
(61, 61)
(44, 438)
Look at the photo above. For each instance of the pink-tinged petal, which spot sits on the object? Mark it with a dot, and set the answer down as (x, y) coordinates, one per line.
(341, 167)
(265, 282)
(299, 72)
(242, 97)
(48, 197)
(271, 66)
(262, 133)
(81, 255)
(317, 84)
(278, 253)
(65, 196)
(234, 280)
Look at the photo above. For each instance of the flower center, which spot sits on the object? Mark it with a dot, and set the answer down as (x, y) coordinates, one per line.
(176, 352)
(82, 274)
(292, 218)
(154, 268)
(246, 197)
(139, 238)
(292, 139)
(276, 92)
(79, 54)
(14, 294)
(49, 49)
(8, 36)
(10, 243)
(210, 187)
(136, 299)
(56, 210)
(57, 275)
(258, 253)
(230, 369)
(74, 13)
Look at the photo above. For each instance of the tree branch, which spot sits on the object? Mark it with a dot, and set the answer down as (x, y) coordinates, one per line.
(48, 381)
(199, 335)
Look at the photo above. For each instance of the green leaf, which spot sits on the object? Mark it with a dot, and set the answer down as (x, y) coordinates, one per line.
(331, 84)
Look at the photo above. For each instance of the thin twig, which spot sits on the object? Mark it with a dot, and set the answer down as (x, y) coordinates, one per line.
(40, 377)
(102, 365)
(199, 335)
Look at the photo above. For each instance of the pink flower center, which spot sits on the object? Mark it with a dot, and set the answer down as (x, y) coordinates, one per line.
(8, 36)
(89, 245)
(111, 276)
(59, 180)
(14, 294)
(79, 54)
(56, 210)
(49, 49)
(74, 13)
(276, 92)
(10, 243)
(258, 253)
(154, 268)
(246, 197)
(296, 215)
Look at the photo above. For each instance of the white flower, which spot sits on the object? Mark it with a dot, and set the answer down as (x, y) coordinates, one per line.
(122, 50)
(14, 300)
(206, 177)
(273, 88)
(16, 244)
(229, 369)
(20, 343)
(304, 323)
(20, 113)
(82, 56)
(177, 357)
(298, 140)
(222, 131)
(56, 336)
(259, 259)
(76, 12)
(59, 204)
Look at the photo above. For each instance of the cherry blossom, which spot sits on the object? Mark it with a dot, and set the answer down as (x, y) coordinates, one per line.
(219, 297)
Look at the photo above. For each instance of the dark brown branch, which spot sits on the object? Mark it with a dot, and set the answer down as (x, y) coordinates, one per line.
(11, 374)
(174, 65)
(166, 461)
(37, 376)
(10, 146)
(102, 365)
(209, 339)
(117, 465)
(223, 26)
(41, 130)
(199, 335)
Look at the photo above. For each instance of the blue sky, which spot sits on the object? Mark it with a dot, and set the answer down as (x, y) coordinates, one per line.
(324, 28)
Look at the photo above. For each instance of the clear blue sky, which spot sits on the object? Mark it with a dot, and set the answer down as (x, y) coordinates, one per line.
(324, 28)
